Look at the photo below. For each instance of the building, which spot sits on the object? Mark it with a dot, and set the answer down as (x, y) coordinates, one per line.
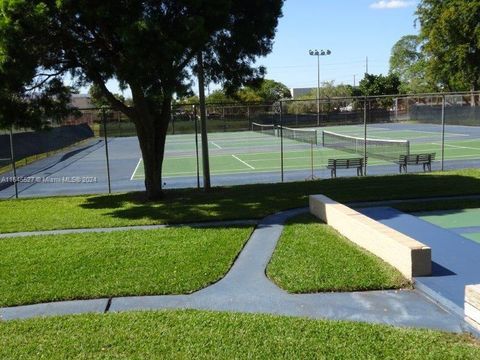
(81, 101)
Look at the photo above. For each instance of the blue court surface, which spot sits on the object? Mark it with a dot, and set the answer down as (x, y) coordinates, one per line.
(455, 258)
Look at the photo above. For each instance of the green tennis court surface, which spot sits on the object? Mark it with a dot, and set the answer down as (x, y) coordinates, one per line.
(464, 222)
(254, 152)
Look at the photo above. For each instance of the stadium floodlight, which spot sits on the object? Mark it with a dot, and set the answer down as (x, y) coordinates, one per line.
(318, 53)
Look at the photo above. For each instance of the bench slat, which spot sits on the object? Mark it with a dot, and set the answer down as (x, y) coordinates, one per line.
(350, 163)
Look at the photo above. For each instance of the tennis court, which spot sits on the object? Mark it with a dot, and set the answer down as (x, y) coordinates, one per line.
(260, 152)
(465, 222)
(240, 157)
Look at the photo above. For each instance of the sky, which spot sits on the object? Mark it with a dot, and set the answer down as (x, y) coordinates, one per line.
(351, 29)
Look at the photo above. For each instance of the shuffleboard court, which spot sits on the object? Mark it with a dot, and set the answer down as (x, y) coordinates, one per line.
(465, 222)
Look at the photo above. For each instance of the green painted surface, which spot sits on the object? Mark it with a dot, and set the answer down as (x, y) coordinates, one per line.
(474, 237)
(451, 219)
(252, 152)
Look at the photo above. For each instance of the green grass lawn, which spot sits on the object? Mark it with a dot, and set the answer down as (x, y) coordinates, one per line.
(96, 265)
(201, 335)
(236, 202)
(313, 257)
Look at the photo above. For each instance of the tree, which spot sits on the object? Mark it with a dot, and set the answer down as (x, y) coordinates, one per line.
(148, 46)
(408, 62)
(375, 85)
(378, 85)
(451, 32)
(99, 100)
(330, 90)
(219, 96)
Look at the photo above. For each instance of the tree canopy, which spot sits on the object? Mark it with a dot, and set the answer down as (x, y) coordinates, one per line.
(408, 62)
(328, 89)
(374, 85)
(261, 91)
(148, 46)
(450, 30)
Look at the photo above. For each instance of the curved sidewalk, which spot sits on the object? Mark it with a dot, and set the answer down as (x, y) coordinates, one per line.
(246, 288)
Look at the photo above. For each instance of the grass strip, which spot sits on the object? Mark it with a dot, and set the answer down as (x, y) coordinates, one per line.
(236, 202)
(313, 257)
(95, 265)
(201, 335)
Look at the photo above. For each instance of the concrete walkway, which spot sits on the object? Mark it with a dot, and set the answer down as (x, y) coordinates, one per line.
(246, 288)
(126, 228)
(455, 259)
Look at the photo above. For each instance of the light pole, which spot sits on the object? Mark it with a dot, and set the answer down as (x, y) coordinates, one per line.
(318, 53)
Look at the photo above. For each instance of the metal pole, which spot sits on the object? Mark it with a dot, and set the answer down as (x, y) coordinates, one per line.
(365, 137)
(14, 166)
(196, 145)
(224, 120)
(443, 131)
(396, 109)
(318, 89)
(104, 115)
(311, 159)
(203, 122)
(172, 117)
(281, 141)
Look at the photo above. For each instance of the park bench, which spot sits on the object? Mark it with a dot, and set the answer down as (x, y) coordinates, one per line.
(416, 159)
(352, 163)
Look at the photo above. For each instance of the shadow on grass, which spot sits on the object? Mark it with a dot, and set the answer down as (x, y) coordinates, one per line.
(256, 201)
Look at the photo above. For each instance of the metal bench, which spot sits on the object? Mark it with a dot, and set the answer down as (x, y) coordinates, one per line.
(352, 163)
(416, 159)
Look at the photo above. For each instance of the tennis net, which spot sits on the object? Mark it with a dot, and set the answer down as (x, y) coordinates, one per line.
(308, 136)
(389, 150)
(263, 128)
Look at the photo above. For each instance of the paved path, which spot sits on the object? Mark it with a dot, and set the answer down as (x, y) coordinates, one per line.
(126, 228)
(455, 259)
(246, 288)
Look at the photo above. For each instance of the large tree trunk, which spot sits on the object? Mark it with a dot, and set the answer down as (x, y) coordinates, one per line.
(152, 132)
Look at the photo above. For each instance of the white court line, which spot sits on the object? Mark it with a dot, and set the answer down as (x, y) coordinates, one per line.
(436, 133)
(459, 147)
(243, 162)
(218, 146)
(136, 168)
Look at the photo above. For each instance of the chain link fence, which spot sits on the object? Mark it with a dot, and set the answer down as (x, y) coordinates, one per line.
(97, 150)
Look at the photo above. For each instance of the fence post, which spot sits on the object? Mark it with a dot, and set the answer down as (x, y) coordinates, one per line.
(196, 144)
(203, 123)
(223, 118)
(365, 136)
(443, 131)
(281, 141)
(396, 109)
(172, 120)
(104, 116)
(14, 166)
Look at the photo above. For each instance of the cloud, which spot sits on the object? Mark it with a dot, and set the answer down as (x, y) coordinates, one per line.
(391, 4)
